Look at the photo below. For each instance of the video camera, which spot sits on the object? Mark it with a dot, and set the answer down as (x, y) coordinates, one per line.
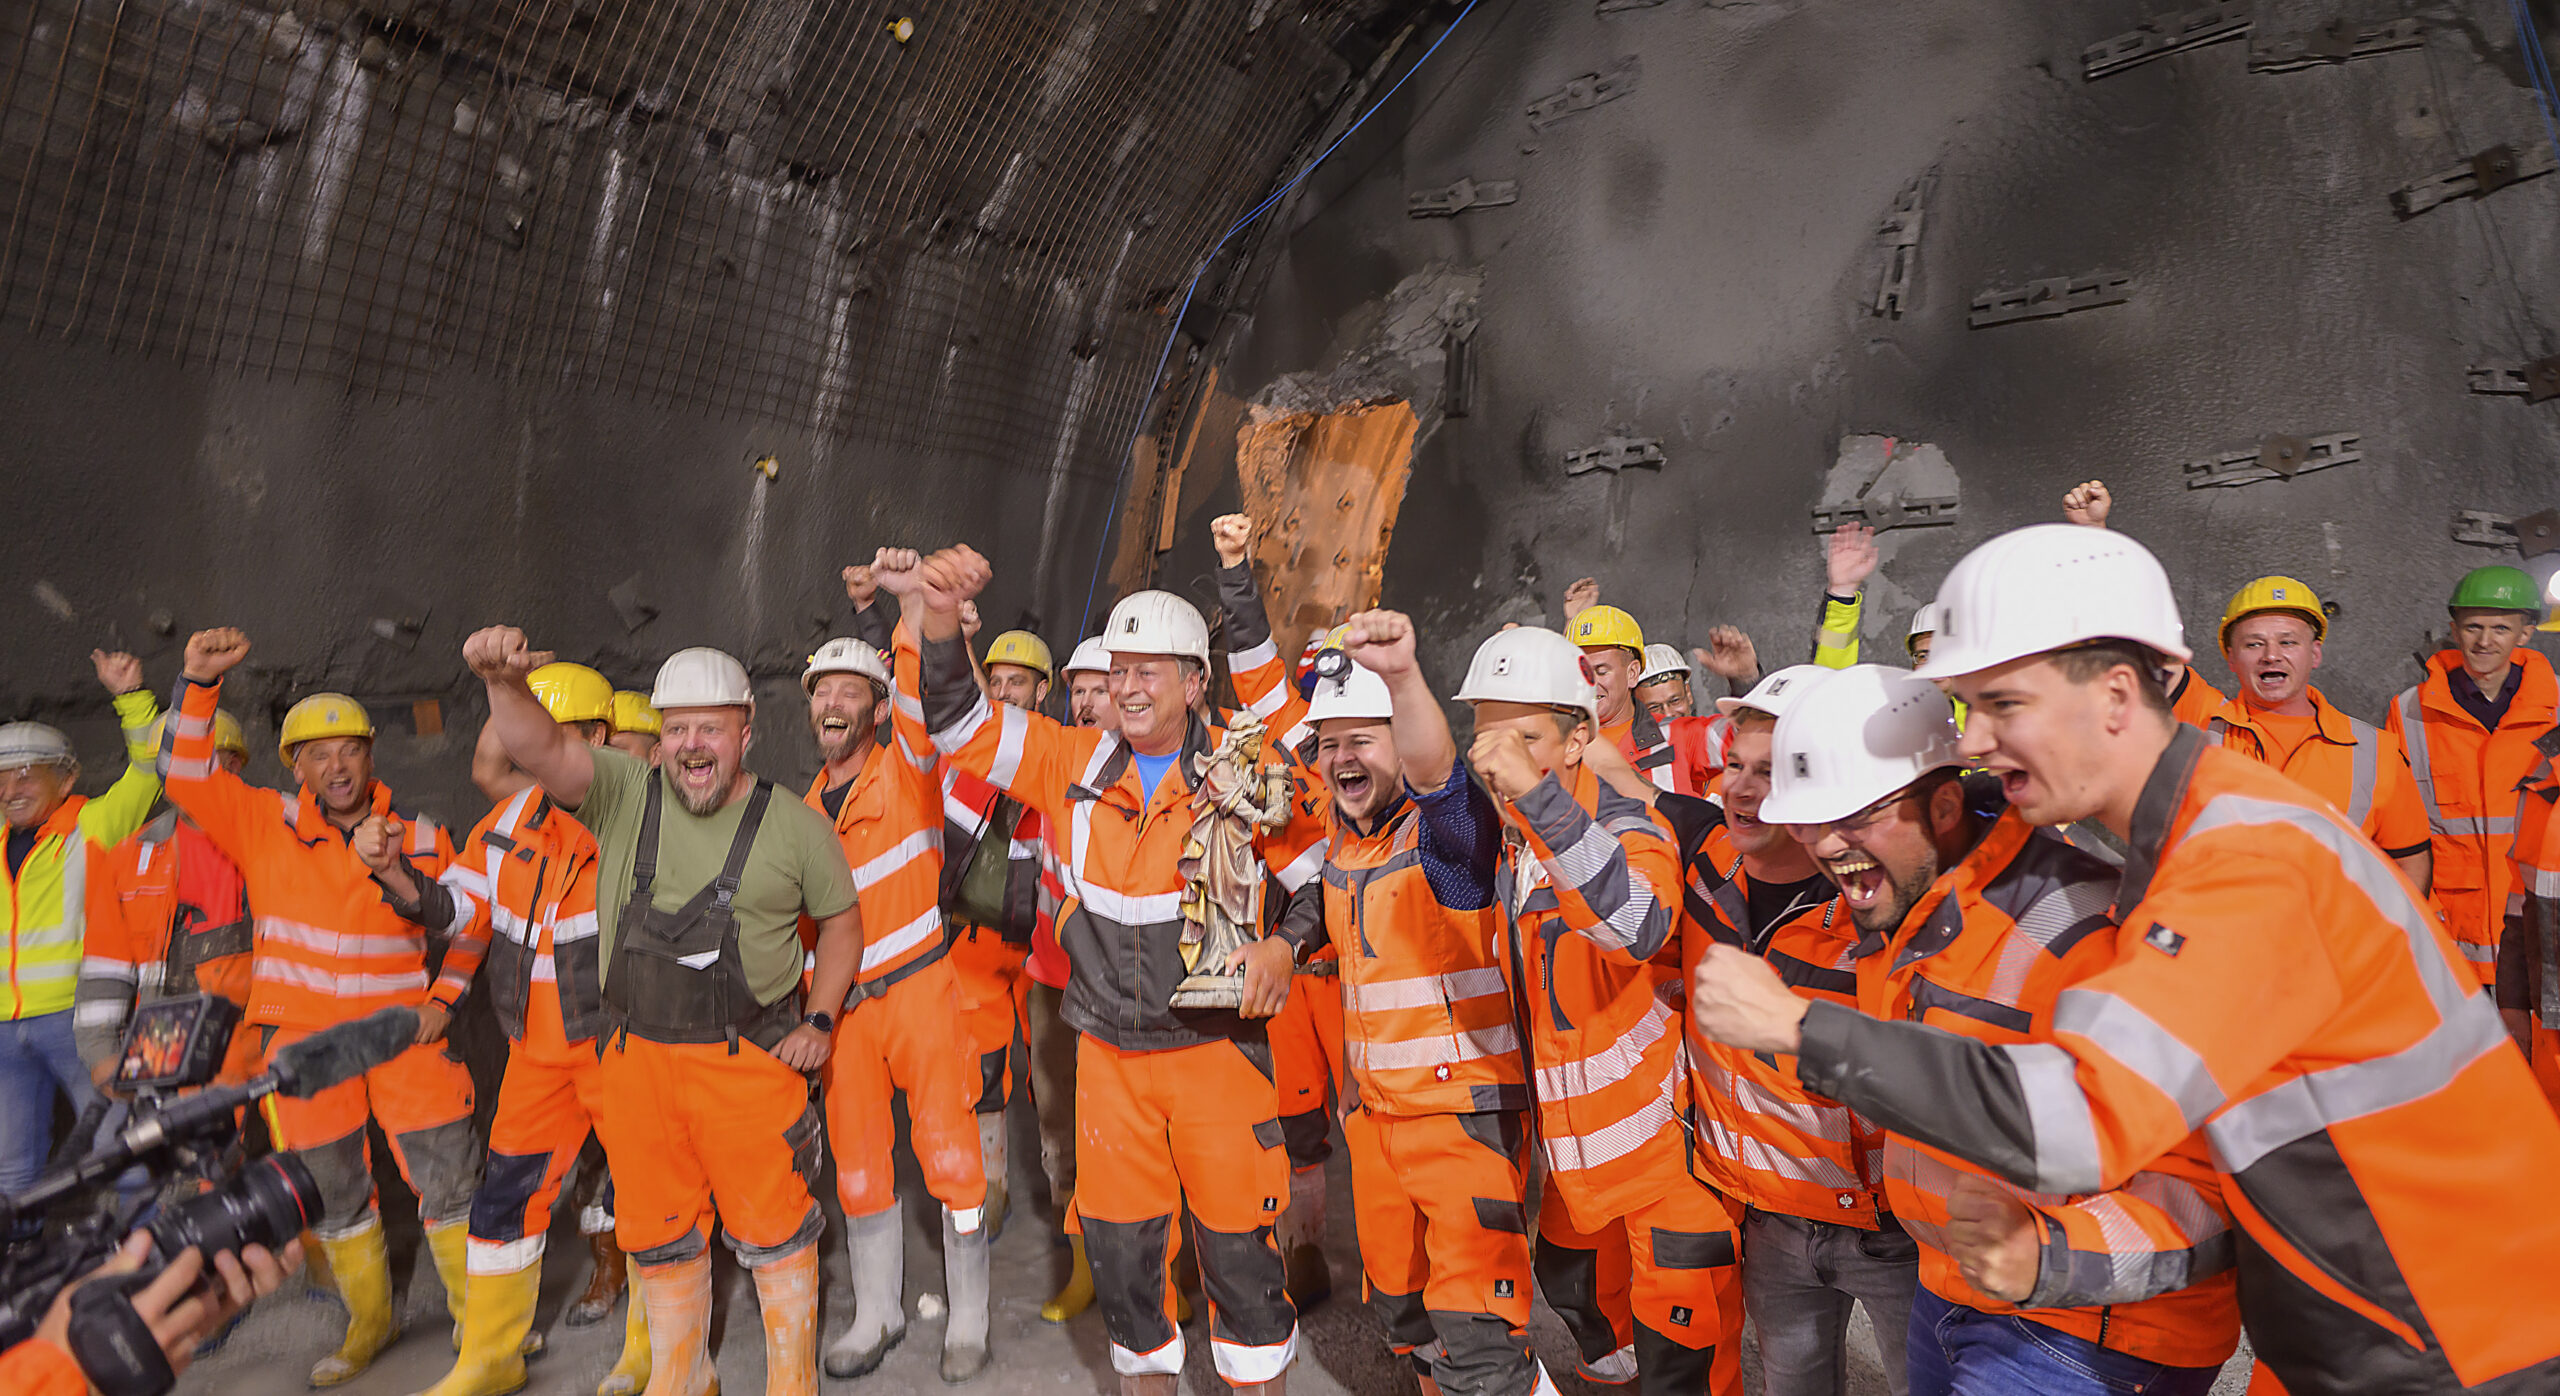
(185, 1134)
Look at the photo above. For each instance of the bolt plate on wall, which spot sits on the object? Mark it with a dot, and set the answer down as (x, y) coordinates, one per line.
(1886, 511)
(2481, 528)
(2485, 173)
(2165, 35)
(1451, 200)
(2338, 41)
(1900, 237)
(2537, 381)
(1585, 92)
(2274, 458)
(2057, 295)
(1614, 453)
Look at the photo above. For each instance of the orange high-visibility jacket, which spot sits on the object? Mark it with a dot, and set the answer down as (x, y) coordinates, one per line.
(2277, 983)
(1762, 1137)
(168, 915)
(1683, 757)
(2144, 1268)
(2351, 763)
(2469, 780)
(2529, 951)
(891, 827)
(2196, 703)
(1588, 886)
(329, 947)
(1427, 1022)
(524, 895)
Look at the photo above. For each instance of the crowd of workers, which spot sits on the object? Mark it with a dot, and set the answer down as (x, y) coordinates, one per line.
(2066, 1014)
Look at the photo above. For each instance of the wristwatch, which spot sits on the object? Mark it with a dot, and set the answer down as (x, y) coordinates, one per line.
(821, 1021)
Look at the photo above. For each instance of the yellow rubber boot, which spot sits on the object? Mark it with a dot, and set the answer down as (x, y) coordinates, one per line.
(497, 1313)
(1076, 1295)
(361, 1266)
(678, 1296)
(446, 1243)
(787, 1292)
(630, 1375)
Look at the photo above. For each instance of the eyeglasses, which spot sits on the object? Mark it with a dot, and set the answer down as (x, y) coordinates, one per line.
(1853, 825)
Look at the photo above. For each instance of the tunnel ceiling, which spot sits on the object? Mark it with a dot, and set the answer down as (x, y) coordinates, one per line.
(951, 227)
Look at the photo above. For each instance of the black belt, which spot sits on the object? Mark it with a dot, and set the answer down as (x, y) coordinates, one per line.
(875, 988)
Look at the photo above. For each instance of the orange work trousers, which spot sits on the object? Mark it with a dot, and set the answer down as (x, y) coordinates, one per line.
(698, 1129)
(1443, 1209)
(1306, 1057)
(906, 1038)
(423, 1099)
(547, 1105)
(2546, 1060)
(1661, 1285)
(1156, 1133)
(993, 1007)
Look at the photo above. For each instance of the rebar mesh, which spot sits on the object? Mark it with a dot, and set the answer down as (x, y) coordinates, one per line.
(964, 240)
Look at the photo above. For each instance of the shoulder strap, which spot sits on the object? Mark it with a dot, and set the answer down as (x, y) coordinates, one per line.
(644, 863)
(725, 890)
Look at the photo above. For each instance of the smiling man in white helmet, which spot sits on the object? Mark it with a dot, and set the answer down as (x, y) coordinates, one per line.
(2278, 985)
(1177, 1108)
(1089, 687)
(704, 874)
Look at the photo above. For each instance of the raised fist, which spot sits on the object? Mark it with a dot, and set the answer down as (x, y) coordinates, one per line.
(1380, 642)
(2088, 503)
(501, 652)
(954, 575)
(893, 570)
(376, 841)
(860, 586)
(1232, 534)
(212, 653)
(970, 624)
(1501, 757)
(121, 673)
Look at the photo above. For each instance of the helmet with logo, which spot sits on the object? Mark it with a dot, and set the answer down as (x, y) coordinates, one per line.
(2048, 587)
(322, 715)
(1356, 693)
(1777, 692)
(1157, 622)
(2497, 588)
(24, 744)
(1855, 738)
(846, 656)
(572, 692)
(1527, 664)
(2283, 595)
(1021, 649)
(702, 678)
(1607, 627)
(1662, 662)
(227, 735)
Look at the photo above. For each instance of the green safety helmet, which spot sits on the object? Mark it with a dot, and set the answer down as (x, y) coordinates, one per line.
(2497, 589)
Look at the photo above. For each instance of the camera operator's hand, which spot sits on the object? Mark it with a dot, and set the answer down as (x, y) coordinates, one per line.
(181, 1311)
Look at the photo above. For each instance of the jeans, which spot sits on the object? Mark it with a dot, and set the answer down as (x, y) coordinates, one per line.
(1798, 1278)
(37, 1059)
(1956, 1351)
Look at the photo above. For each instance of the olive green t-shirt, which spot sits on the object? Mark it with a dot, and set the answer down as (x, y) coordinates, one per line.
(795, 866)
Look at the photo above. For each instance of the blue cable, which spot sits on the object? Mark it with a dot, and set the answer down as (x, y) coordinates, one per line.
(2546, 90)
(1165, 356)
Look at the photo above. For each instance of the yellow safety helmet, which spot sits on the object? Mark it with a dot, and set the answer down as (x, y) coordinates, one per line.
(227, 735)
(1021, 647)
(2287, 594)
(1600, 627)
(632, 713)
(322, 715)
(572, 692)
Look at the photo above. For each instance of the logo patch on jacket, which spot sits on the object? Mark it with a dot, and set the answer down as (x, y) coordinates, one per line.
(1680, 1316)
(1271, 1204)
(1502, 1289)
(2164, 940)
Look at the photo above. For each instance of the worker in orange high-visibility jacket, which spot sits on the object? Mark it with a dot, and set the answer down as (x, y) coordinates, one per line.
(1683, 754)
(520, 903)
(1805, 1170)
(168, 916)
(1175, 1109)
(1588, 880)
(2469, 729)
(1438, 1137)
(2141, 1291)
(2272, 634)
(330, 948)
(902, 1027)
(2276, 983)
(703, 875)
(2529, 947)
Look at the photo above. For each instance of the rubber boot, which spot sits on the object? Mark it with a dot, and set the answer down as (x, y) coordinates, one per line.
(360, 1264)
(678, 1298)
(878, 1244)
(318, 1283)
(787, 1292)
(497, 1313)
(964, 1272)
(604, 1283)
(630, 1375)
(991, 1153)
(1153, 1384)
(446, 1244)
(1076, 1295)
(1301, 1237)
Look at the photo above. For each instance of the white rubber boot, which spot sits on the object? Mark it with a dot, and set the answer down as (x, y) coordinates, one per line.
(964, 1268)
(878, 1244)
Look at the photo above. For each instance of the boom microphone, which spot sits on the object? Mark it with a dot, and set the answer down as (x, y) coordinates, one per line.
(342, 1053)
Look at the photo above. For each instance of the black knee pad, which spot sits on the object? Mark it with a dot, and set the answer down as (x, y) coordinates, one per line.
(1402, 1315)
(1570, 1279)
(1665, 1368)
(1308, 1136)
(1128, 1260)
(507, 1185)
(993, 1071)
(1482, 1353)
(1242, 1275)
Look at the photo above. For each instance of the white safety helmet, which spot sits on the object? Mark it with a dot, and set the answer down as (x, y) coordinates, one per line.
(2048, 587)
(845, 656)
(1662, 662)
(701, 678)
(1924, 621)
(24, 744)
(1526, 664)
(1854, 738)
(1090, 658)
(1775, 693)
(1359, 693)
(1157, 622)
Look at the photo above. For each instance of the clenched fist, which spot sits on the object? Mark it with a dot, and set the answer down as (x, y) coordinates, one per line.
(501, 652)
(954, 575)
(376, 841)
(120, 673)
(860, 586)
(1501, 758)
(1736, 999)
(1380, 642)
(1993, 1239)
(894, 571)
(1232, 534)
(2088, 503)
(213, 653)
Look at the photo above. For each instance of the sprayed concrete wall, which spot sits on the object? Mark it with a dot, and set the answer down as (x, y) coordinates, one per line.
(1696, 260)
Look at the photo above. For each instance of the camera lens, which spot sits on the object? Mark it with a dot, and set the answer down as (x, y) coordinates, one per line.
(268, 1204)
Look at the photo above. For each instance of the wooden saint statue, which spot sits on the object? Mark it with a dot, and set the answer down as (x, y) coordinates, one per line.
(1233, 797)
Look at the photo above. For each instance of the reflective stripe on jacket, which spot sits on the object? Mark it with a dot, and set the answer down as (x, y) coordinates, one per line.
(168, 915)
(524, 893)
(2469, 781)
(890, 825)
(330, 947)
(2349, 762)
(49, 893)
